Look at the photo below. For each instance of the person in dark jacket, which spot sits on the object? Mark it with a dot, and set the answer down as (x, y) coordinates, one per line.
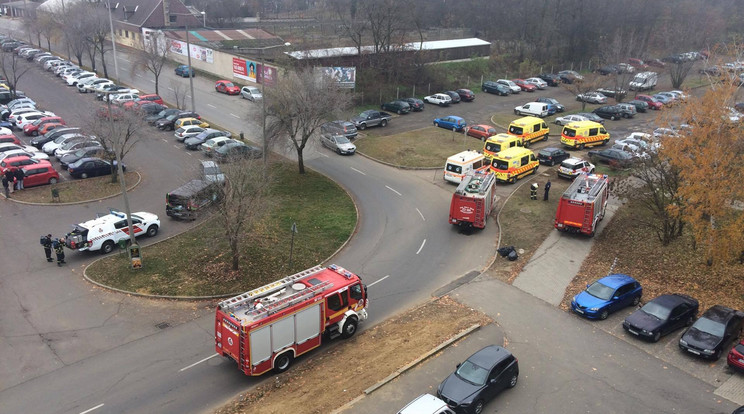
(10, 176)
(59, 249)
(19, 176)
(5, 187)
(533, 191)
(547, 190)
(47, 244)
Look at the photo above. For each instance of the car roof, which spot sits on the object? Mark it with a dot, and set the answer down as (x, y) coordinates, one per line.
(425, 403)
(489, 356)
(616, 280)
(672, 300)
(573, 160)
(719, 313)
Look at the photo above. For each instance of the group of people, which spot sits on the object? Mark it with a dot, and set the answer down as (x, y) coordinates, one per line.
(13, 180)
(533, 191)
(59, 248)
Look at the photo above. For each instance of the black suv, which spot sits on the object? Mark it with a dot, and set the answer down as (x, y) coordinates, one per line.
(339, 127)
(550, 79)
(399, 107)
(169, 121)
(612, 112)
(416, 104)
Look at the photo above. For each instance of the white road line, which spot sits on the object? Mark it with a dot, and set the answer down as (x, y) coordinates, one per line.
(195, 363)
(422, 246)
(421, 214)
(231, 114)
(152, 81)
(94, 408)
(359, 172)
(393, 190)
(378, 281)
(170, 89)
(320, 153)
(138, 75)
(211, 106)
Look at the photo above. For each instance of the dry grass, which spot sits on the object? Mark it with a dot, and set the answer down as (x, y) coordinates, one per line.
(74, 191)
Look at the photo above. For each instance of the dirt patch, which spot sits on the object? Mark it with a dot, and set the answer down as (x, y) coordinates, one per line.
(367, 358)
(675, 268)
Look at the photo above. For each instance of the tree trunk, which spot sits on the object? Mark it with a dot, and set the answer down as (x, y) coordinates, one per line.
(157, 82)
(49, 44)
(114, 171)
(300, 161)
(235, 253)
(103, 63)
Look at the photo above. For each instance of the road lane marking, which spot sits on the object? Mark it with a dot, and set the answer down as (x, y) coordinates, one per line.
(422, 246)
(170, 89)
(420, 214)
(94, 408)
(378, 281)
(232, 114)
(152, 81)
(211, 106)
(195, 363)
(393, 190)
(359, 172)
(320, 153)
(138, 75)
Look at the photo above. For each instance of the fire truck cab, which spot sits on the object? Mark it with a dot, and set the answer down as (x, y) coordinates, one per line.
(583, 204)
(268, 327)
(473, 200)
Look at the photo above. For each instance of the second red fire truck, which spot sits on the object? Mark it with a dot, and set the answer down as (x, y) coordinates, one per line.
(473, 200)
(583, 204)
(268, 327)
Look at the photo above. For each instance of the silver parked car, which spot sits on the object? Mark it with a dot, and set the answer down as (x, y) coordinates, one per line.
(338, 143)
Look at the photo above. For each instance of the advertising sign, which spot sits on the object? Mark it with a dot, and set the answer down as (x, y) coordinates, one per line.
(197, 52)
(345, 77)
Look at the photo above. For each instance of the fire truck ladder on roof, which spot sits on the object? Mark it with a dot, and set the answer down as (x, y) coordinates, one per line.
(266, 310)
(237, 301)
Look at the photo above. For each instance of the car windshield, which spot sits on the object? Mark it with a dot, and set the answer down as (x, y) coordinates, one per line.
(569, 132)
(212, 171)
(515, 130)
(454, 168)
(709, 326)
(501, 165)
(229, 84)
(600, 291)
(656, 310)
(80, 152)
(171, 117)
(472, 373)
(342, 140)
(493, 147)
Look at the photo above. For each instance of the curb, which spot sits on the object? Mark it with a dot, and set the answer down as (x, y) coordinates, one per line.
(28, 203)
(405, 368)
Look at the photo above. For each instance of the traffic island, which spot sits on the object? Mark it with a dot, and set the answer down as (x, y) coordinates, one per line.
(359, 363)
(76, 191)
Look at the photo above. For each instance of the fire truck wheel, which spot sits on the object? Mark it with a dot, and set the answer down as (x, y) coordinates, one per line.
(350, 327)
(283, 361)
(107, 247)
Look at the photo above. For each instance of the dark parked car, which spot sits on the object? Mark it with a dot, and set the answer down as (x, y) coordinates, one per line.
(454, 95)
(608, 294)
(592, 117)
(552, 101)
(495, 88)
(237, 150)
(109, 89)
(662, 315)
(466, 95)
(479, 379)
(149, 109)
(550, 79)
(39, 141)
(641, 106)
(608, 70)
(342, 127)
(90, 167)
(570, 76)
(399, 107)
(168, 122)
(612, 156)
(89, 152)
(417, 105)
(612, 112)
(552, 156)
(712, 332)
(613, 92)
(194, 142)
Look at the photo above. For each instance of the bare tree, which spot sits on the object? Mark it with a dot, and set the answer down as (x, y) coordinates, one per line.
(299, 105)
(242, 202)
(118, 131)
(579, 87)
(179, 94)
(13, 70)
(350, 25)
(151, 57)
(678, 71)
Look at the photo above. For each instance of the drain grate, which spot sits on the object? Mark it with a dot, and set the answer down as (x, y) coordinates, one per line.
(163, 325)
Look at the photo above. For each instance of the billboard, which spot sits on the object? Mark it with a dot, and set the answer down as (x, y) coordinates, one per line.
(345, 77)
(244, 69)
(197, 52)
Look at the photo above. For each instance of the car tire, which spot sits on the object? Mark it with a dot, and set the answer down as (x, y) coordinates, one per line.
(656, 337)
(513, 381)
(362, 126)
(338, 151)
(552, 163)
(454, 129)
(690, 320)
(283, 362)
(52, 180)
(399, 112)
(478, 407)
(717, 355)
(484, 90)
(557, 122)
(152, 230)
(383, 123)
(35, 133)
(636, 300)
(581, 146)
(613, 118)
(84, 175)
(107, 247)
(516, 112)
(604, 313)
(349, 328)
(436, 124)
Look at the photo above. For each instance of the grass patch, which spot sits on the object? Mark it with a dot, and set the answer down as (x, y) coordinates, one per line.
(426, 147)
(676, 268)
(197, 262)
(74, 191)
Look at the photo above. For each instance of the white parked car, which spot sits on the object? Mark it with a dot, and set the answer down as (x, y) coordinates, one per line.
(210, 145)
(64, 70)
(20, 110)
(538, 109)
(640, 136)
(27, 118)
(72, 146)
(50, 63)
(251, 93)
(566, 119)
(592, 97)
(120, 98)
(73, 80)
(541, 84)
(90, 86)
(51, 146)
(188, 132)
(338, 143)
(665, 132)
(511, 85)
(440, 99)
(35, 154)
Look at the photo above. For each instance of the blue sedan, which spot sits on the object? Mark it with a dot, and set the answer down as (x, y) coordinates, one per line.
(607, 295)
(663, 99)
(455, 123)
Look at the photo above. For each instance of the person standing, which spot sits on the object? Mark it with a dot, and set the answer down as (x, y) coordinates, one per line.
(20, 175)
(46, 242)
(547, 190)
(59, 249)
(10, 176)
(533, 191)
(5, 186)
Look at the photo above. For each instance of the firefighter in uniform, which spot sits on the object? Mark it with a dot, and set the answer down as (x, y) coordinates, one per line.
(533, 191)
(547, 190)
(47, 244)
(59, 249)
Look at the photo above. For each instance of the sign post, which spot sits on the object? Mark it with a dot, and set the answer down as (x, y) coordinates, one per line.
(291, 244)
(134, 256)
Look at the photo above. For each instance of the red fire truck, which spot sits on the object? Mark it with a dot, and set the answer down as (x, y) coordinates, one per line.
(473, 200)
(266, 328)
(583, 204)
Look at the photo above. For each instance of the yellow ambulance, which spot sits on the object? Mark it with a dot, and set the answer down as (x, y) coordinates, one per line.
(513, 163)
(582, 134)
(530, 129)
(498, 143)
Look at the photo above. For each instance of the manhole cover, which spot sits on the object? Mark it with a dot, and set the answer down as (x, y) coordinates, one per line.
(163, 325)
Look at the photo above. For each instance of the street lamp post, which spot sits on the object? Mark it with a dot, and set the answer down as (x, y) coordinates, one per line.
(113, 41)
(188, 55)
(263, 102)
(204, 17)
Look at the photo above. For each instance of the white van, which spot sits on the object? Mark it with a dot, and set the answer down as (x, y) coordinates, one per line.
(643, 81)
(460, 164)
(426, 404)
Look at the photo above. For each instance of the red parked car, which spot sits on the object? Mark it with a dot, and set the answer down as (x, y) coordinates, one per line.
(656, 62)
(736, 356)
(637, 63)
(527, 87)
(48, 127)
(20, 161)
(10, 139)
(652, 102)
(465, 95)
(227, 87)
(143, 99)
(482, 132)
(33, 128)
(39, 174)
